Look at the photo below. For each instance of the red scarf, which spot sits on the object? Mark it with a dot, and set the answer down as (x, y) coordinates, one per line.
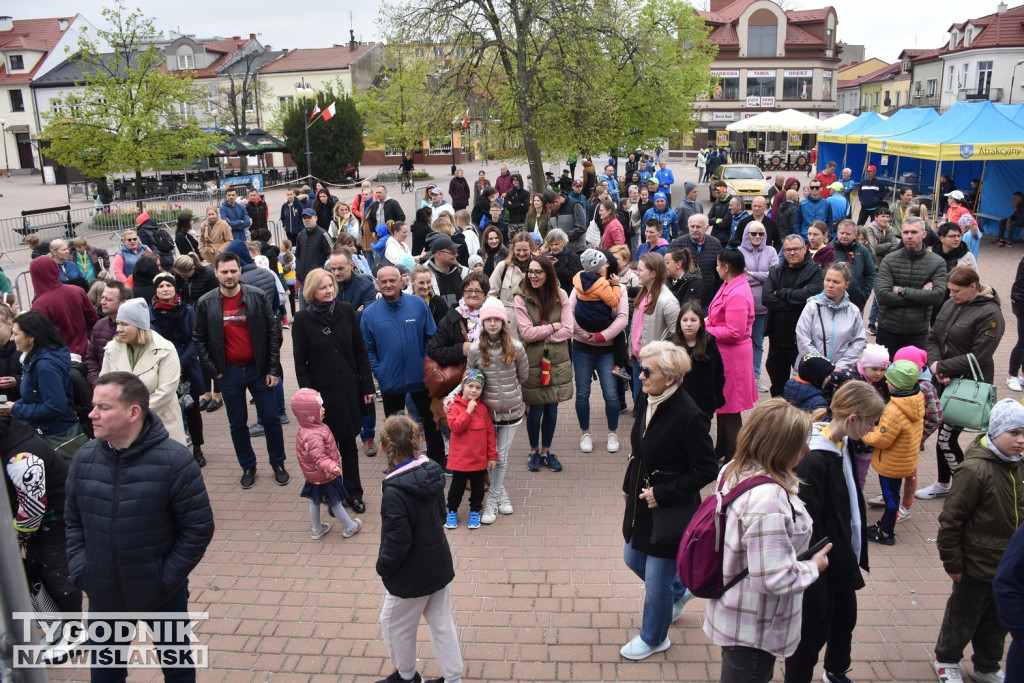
(166, 305)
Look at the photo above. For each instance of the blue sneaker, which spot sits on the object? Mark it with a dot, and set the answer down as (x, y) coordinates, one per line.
(474, 520)
(452, 521)
(533, 464)
(553, 464)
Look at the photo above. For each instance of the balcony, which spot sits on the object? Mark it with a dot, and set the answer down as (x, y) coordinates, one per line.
(981, 94)
(925, 100)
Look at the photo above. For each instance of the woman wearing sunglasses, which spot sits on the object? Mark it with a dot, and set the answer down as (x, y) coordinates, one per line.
(128, 254)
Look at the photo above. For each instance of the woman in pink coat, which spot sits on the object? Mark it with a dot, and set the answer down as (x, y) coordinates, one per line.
(731, 319)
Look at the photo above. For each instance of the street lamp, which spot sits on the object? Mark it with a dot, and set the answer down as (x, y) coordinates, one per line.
(1013, 75)
(7, 166)
(304, 91)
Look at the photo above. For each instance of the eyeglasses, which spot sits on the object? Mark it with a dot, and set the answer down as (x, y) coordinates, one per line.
(756, 234)
(646, 372)
(131, 239)
(535, 273)
(792, 250)
(472, 291)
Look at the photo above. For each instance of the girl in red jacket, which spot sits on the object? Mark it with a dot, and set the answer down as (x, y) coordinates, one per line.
(318, 456)
(472, 450)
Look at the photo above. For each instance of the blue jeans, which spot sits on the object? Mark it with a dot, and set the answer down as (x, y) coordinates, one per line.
(541, 418)
(175, 645)
(368, 428)
(873, 315)
(636, 382)
(233, 385)
(757, 339)
(583, 365)
(278, 401)
(662, 588)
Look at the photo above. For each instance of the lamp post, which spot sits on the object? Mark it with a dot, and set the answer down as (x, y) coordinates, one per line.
(7, 166)
(304, 91)
(1013, 75)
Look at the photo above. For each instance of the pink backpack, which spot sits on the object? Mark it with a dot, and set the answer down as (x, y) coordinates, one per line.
(701, 554)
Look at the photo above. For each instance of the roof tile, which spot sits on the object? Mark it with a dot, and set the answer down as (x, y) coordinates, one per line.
(318, 59)
(31, 34)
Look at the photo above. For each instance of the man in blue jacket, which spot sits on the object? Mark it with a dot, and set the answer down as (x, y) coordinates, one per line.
(665, 181)
(235, 215)
(397, 329)
(138, 522)
(814, 207)
(664, 215)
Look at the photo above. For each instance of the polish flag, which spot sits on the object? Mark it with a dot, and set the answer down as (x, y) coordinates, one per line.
(329, 112)
(316, 110)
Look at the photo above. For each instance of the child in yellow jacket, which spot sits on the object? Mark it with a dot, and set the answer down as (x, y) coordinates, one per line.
(896, 440)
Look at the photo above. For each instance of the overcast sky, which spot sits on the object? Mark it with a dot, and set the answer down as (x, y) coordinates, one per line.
(885, 30)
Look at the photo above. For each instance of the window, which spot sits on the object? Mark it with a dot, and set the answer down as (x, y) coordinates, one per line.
(17, 101)
(55, 107)
(186, 62)
(933, 87)
(897, 104)
(285, 98)
(728, 87)
(905, 67)
(760, 83)
(962, 81)
(17, 63)
(796, 84)
(984, 76)
(184, 108)
(438, 52)
(968, 36)
(392, 150)
(949, 83)
(830, 38)
(421, 53)
(761, 41)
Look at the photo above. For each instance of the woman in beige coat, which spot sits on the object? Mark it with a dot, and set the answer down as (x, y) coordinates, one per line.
(214, 235)
(139, 350)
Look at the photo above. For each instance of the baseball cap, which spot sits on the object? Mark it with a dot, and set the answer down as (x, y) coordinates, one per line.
(436, 191)
(308, 212)
(836, 186)
(872, 168)
(956, 194)
(577, 183)
(144, 216)
(440, 243)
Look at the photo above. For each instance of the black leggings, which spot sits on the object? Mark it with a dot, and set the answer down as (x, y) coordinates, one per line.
(728, 429)
(948, 453)
(194, 416)
(458, 488)
(1017, 352)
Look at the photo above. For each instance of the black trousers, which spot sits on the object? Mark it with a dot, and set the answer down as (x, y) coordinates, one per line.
(779, 364)
(458, 488)
(194, 416)
(829, 617)
(894, 342)
(350, 467)
(971, 617)
(395, 403)
(865, 215)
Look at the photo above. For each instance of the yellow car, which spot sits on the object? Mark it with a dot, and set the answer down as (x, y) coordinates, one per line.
(743, 180)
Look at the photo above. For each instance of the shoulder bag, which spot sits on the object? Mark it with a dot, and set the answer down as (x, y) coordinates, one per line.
(441, 379)
(966, 403)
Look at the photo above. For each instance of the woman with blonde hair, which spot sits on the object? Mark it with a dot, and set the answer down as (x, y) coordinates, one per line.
(835, 502)
(766, 527)
(214, 235)
(508, 276)
(344, 221)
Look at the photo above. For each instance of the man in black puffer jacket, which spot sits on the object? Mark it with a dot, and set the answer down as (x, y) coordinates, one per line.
(137, 512)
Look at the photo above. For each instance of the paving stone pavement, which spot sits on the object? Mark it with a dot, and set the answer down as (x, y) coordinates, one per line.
(541, 595)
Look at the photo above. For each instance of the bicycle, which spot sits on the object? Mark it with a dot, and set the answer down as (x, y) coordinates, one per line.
(408, 183)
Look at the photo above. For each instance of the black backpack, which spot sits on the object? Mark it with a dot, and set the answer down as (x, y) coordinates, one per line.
(82, 395)
(162, 241)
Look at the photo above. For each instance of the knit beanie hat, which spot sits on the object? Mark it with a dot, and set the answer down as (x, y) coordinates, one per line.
(475, 259)
(918, 356)
(688, 188)
(475, 375)
(815, 369)
(593, 260)
(165, 277)
(134, 312)
(903, 375)
(1006, 415)
(874, 356)
(493, 308)
(965, 221)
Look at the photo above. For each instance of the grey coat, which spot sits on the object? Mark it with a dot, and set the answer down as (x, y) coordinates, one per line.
(503, 393)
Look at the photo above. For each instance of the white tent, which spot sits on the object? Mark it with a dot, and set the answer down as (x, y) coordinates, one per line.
(786, 120)
(840, 120)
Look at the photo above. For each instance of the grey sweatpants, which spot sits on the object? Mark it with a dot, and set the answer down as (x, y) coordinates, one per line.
(399, 619)
(497, 495)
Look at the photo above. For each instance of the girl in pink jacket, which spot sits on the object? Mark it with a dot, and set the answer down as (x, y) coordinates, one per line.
(318, 456)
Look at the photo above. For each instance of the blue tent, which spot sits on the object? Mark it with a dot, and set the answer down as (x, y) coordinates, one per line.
(834, 146)
(971, 140)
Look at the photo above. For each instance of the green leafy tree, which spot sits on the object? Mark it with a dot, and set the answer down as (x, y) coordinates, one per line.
(130, 115)
(406, 103)
(571, 75)
(332, 144)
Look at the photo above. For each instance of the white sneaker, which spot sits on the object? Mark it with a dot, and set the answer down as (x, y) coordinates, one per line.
(505, 509)
(764, 385)
(586, 443)
(488, 516)
(948, 673)
(935, 490)
(993, 677)
(613, 443)
(877, 502)
(1014, 384)
(904, 514)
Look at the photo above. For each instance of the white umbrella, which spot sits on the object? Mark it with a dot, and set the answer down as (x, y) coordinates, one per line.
(839, 120)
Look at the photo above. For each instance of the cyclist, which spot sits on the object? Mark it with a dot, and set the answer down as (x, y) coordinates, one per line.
(406, 169)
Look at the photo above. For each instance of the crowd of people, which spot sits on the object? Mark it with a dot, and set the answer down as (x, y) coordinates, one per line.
(496, 308)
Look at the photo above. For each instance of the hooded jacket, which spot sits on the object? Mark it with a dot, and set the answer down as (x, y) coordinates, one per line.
(138, 520)
(458, 190)
(687, 286)
(862, 269)
(315, 447)
(236, 217)
(68, 307)
(202, 281)
(981, 513)
(503, 393)
(758, 261)
(414, 559)
(46, 391)
(835, 330)
(897, 437)
(780, 197)
(176, 325)
(291, 217)
(253, 275)
(517, 201)
(397, 334)
(142, 279)
(973, 327)
(803, 395)
(825, 490)
(814, 210)
(448, 285)
(720, 218)
(473, 443)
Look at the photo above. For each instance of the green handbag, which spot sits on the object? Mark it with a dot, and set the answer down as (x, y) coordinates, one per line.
(966, 403)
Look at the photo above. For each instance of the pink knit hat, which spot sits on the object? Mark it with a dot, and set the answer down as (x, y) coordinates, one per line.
(874, 356)
(493, 308)
(912, 353)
